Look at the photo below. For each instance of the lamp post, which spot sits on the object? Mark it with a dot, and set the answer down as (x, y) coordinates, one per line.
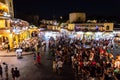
(61, 17)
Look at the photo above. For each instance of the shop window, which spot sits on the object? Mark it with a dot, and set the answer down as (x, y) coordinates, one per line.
(10, 4)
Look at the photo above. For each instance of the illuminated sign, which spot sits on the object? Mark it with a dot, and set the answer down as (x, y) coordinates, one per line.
(16, 30)
(3, 9)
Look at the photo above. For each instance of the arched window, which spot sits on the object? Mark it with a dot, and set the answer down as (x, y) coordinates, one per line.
(10, 4)
(107, 27)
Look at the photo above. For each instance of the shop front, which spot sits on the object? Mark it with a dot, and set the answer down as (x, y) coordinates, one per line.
(33, 32)
(98, 35)
(5, 39)
(79, 35)
(108, 35)
(19, 35)
(89, 35)
(51, 34)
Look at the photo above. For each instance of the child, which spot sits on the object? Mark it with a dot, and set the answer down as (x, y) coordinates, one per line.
(34, 57)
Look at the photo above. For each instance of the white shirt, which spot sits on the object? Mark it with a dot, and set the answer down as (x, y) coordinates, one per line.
(59, 64)
(18, 51)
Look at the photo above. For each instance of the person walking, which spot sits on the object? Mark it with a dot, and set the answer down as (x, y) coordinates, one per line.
(13, 73)
(8, 47)
(38, 58)
(5, 76)
(54, 66)
(34, 58)
(17, 73)
(59, 66)
(1, 71)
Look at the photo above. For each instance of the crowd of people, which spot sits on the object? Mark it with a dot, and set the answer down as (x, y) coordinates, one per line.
(90, 59)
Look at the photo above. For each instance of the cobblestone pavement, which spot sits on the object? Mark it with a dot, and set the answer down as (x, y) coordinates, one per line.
(43, 71)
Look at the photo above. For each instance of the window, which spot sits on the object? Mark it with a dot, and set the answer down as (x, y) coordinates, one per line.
(10, 4)
(107, 27)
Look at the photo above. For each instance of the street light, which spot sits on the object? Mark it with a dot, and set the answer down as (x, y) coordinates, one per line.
(61, 17)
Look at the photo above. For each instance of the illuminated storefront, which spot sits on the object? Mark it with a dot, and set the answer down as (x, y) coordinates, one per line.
(20, 34)
(49, 34)
(5, 32)
(79, 35)
(13, 35)
(33, 31)
(98, 35)
(117, 37)
(5, 38)
(92, 30)
(12, 31)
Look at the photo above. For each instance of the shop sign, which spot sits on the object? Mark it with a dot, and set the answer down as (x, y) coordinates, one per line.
(16, 31)
(3, 12)
(4, 31)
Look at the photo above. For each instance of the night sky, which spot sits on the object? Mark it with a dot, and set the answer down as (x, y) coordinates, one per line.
(50, 8)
